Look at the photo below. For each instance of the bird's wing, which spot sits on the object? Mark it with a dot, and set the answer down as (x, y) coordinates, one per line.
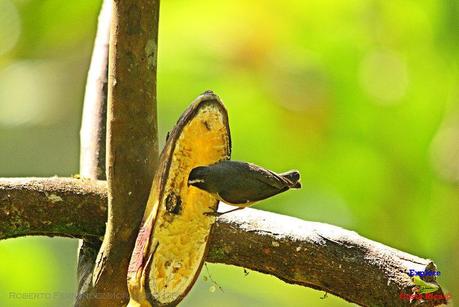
(269, 177)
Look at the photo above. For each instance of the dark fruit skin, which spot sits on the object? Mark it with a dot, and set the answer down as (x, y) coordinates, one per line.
(241, 183)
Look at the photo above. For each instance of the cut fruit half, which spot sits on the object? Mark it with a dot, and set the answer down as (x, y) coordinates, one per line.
(173, 239)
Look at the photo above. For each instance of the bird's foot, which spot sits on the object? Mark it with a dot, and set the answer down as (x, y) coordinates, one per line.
(217, 214)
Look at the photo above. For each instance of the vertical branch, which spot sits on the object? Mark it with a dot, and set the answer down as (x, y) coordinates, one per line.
(93, 126)
(92, 136)
(132, 142)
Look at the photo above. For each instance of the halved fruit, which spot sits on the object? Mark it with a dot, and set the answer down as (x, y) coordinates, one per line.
(173, 240)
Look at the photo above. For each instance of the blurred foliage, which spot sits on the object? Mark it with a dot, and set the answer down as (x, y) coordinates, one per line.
(360, 96)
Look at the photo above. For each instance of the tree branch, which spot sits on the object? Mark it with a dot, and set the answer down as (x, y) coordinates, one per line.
(93, 136)
(93, 124)
(311, 254)
(132, 141)
(53, 206)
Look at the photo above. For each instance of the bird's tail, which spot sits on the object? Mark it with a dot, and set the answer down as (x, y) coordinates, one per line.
(293, 177)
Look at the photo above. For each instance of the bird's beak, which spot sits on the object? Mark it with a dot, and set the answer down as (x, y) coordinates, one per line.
(190, 182)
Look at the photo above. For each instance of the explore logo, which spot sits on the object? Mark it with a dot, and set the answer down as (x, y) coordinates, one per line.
(423, 273)
(424, 290)
(424, 296)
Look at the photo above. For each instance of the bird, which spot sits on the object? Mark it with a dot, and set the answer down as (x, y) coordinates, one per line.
(241, 183)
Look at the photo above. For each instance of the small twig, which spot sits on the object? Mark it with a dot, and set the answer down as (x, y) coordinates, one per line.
(212, 280)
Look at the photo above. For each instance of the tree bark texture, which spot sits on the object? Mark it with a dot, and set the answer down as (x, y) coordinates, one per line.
(93, 140)
(132, 142)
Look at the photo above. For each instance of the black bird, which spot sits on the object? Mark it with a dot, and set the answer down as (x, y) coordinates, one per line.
(241, 183)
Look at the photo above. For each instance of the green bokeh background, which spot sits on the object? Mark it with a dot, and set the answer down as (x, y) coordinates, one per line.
(361, 96)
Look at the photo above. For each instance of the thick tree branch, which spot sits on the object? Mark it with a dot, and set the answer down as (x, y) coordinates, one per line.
(53, 206)
(132, 142)
(93, 136)
(315, 255)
